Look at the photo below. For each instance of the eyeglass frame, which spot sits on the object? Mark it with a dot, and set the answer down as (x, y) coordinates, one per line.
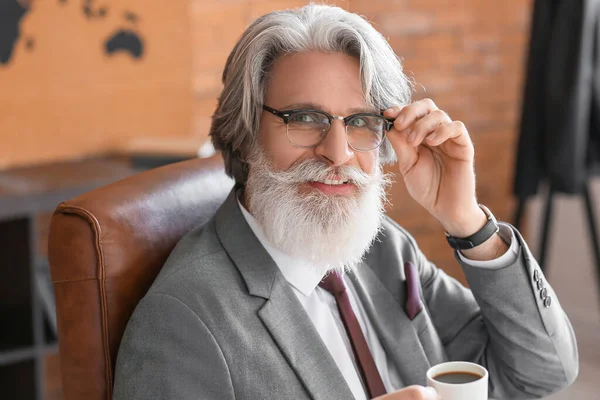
(285, 116)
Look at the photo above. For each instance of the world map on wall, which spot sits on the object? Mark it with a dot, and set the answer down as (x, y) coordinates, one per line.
(13, 12)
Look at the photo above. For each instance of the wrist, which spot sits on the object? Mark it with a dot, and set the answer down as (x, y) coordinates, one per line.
(491, 249)
(477, 242)
(465, 224)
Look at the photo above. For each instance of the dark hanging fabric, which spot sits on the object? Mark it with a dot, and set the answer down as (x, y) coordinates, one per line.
(560, 122)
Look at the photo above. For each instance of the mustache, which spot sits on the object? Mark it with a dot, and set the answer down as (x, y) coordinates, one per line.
(314, 170)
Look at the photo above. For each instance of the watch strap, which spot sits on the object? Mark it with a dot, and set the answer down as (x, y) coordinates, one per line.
(490, 228)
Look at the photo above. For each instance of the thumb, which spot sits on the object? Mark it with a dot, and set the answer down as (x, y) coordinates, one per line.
(431, 394)
(407, 154)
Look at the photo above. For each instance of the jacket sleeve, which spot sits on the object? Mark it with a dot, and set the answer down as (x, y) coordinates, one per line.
(167, 352)
(504, 323)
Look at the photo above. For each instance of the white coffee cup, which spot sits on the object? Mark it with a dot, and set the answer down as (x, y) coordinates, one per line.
(475, 390)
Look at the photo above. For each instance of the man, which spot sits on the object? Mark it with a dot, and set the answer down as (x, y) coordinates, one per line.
(300, 287)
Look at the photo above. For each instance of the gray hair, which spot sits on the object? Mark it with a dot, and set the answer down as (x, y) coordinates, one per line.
(314, 27)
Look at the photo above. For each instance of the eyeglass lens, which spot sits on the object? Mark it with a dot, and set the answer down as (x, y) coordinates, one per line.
(364, 132)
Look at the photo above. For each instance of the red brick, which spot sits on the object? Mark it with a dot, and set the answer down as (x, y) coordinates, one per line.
(405, 23)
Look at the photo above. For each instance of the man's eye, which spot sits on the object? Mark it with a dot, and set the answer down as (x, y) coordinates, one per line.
(303, 118)
(358, 122)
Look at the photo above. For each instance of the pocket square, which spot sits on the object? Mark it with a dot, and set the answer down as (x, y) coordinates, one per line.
(413, 302)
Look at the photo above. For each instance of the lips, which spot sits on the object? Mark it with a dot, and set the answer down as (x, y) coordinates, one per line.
(333, 186)
(332, 181)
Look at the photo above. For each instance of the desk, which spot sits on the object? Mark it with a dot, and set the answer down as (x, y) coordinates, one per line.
(25, 337)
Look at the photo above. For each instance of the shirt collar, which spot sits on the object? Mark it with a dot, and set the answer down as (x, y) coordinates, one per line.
(301, 274)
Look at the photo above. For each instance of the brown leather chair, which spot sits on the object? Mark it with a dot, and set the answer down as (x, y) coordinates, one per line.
(106, 248)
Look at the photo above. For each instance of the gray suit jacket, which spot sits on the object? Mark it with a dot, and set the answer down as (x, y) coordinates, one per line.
(221, 322)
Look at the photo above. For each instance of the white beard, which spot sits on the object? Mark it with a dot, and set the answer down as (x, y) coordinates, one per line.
(331, 231)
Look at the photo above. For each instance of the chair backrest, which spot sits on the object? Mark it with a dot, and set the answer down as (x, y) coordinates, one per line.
(106, 248)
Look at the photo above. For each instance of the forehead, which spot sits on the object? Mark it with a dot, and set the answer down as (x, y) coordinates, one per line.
(331, 80)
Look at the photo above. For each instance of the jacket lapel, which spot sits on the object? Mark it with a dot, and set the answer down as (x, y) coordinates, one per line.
(301, 344)
(282, 314)
(394, 329)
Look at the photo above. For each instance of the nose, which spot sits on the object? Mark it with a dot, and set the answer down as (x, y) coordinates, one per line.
(334, 149)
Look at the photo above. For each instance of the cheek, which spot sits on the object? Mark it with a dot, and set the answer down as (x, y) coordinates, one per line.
(276, 146)
(368, 160)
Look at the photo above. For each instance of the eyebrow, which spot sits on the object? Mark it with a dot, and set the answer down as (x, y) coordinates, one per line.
(315, 106)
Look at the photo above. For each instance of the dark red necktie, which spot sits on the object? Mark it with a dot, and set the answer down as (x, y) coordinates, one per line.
(334, 284)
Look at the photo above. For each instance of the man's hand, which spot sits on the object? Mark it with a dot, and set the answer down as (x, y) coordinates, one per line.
(412, 393)
(435, 158)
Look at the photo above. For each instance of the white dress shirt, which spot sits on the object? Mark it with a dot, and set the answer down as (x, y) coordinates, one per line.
(322, 309)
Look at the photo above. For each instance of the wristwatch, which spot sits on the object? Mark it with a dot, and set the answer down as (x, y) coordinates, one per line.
(490, 228)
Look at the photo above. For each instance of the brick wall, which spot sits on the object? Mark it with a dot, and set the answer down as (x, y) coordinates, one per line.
(467, 55)
(63, 97)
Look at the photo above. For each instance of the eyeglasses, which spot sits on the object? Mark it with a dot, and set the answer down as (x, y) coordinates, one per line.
(308, 128)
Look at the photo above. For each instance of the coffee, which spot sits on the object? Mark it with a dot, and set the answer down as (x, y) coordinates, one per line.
(459, 380)
(457, 377)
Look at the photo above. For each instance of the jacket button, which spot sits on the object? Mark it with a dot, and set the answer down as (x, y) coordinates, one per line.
(536, 275)
(544, 293)
(548, 301)
(540, 284)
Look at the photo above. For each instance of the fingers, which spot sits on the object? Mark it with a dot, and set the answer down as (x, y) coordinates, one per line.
(453, 139)
(423, 122)
(431, 392)
(426, 125)
(406, 153)
(428, 117)
(412, 393)
(406, 115)
(393, 111)
(421, 393)
(449, 130)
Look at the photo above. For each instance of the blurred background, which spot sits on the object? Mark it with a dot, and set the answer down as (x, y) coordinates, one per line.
(93, 91)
